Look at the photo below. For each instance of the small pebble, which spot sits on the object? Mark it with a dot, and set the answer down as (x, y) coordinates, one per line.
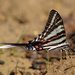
(2, 62)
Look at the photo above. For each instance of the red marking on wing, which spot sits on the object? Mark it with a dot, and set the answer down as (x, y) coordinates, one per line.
(49, 40)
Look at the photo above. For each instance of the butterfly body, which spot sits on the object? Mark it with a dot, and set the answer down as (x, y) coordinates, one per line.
(35, 45)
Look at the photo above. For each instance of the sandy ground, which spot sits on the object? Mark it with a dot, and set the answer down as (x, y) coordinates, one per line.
(22, 20)
(18, 63)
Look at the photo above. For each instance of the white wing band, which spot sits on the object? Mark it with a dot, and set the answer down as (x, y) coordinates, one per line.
(7, 46)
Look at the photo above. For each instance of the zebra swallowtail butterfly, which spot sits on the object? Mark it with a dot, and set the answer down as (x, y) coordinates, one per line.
(52, 37)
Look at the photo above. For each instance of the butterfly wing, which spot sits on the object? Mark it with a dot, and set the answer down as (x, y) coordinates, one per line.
(49, 25)
(53, 23)
(54, 33)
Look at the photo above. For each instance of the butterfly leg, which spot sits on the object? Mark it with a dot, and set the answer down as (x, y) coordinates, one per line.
(67, 51)
(63, 54)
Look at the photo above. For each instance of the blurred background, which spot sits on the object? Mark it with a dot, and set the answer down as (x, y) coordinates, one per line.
(22, 20)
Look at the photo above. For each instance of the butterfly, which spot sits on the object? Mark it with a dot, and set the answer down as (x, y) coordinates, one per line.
(52, 37)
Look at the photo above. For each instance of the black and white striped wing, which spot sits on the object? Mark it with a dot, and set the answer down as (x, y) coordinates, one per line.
(54, 33)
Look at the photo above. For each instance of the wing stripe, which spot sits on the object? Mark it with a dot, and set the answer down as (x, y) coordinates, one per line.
(49, 23)
(53, 19)
(59, 22)
(52, 28)
(54, 43)
(58, 41)
(10, 45)
(56, 31)
(7, 46)
(59, 35)
(54, 38)
(52, 47)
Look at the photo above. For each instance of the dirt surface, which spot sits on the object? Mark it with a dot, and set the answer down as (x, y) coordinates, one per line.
(22, 20)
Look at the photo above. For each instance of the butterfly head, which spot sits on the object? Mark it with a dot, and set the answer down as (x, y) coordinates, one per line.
(34, 45)
(29, 46)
